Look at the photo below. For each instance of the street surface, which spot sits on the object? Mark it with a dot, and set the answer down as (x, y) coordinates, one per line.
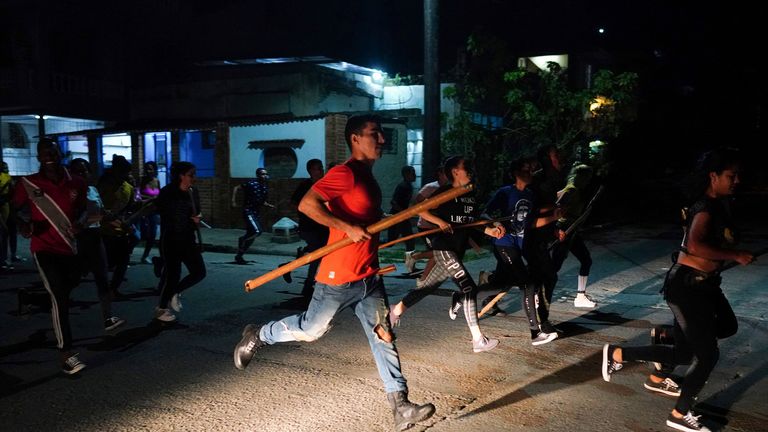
(148, 377)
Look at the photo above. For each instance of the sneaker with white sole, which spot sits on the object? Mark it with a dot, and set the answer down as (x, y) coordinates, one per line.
(113, 323)
(542, 338)
(582, 301)
(687, 423)
(609, 366)
(72, 365)
(484, 344)
(410, 261)
(164, 315)
(667, 387)
(456, 304)
(175, 303)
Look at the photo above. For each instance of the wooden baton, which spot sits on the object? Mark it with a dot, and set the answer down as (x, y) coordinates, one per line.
(379, 226)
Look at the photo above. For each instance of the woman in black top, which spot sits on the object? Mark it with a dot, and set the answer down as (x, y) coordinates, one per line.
(179, 207)
(449, 247)
(692, 290)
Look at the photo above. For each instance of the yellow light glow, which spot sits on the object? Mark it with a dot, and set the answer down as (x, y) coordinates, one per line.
(598, 103)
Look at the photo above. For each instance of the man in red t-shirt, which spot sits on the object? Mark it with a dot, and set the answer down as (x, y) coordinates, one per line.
(347, 200)
(56, 200)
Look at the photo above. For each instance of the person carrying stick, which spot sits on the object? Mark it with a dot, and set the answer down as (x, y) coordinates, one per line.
(347, 199)
(518, 200)
(449, 247)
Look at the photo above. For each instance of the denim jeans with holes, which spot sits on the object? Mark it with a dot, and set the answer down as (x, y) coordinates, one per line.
(368, 299)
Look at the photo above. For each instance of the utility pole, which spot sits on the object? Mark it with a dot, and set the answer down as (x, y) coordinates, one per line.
(431, 143)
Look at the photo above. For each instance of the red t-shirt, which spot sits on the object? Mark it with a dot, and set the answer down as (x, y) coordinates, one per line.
(69, 194)
(354, 196)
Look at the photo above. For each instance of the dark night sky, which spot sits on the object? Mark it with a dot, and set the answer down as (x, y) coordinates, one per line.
(694, 58)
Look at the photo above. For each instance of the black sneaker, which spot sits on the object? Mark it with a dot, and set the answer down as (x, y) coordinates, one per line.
(495, 309)
(456, 304)
(247, 347)
(72, 365)
(662, 335)
(667, 387)
(113, 323)
(542, 338)
(609, 365)
(688, 423)
(240, 260)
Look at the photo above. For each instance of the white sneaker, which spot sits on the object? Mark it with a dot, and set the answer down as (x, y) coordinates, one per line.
(582, 301)
(410, 262)
(164, 315)
(484, 344)
(175, 303)
(543, 338)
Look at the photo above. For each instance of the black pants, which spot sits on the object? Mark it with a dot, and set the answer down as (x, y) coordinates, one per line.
(574, 244)
(175, 252)
(60, 274)
(252, 230)
(149, 226)
(511, 271)
(402, 229)
(541, 267)
(93, 259)
(702, 315)
(118, 255)
(315, 240)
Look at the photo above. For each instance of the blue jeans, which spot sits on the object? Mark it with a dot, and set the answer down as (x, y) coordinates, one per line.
(369, 300)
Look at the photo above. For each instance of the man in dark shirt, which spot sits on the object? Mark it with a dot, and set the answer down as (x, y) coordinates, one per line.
(401, 200)
(315, 234)
(255, 194)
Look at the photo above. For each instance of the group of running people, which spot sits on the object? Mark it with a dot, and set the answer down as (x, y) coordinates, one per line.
(532, 222)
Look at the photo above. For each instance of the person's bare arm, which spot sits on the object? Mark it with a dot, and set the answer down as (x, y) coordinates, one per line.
(698, 247)
(313, 205)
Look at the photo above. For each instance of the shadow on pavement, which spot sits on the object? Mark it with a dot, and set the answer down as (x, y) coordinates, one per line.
(132, 337)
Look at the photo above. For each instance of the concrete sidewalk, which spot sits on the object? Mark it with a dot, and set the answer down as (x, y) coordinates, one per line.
(225, 241)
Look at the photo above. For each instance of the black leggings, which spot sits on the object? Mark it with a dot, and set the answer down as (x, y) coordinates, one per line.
(702, 316)
(252, 230)
(93, 259)
(511, 271)
(574, 244)
(541, 267)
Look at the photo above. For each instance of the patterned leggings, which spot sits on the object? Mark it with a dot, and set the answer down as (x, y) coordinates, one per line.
(448, 265)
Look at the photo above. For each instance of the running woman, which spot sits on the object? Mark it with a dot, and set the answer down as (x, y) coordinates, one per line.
(692, 290)
(449, 247)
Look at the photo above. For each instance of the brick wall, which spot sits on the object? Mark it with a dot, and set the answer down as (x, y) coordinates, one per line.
(336, 150)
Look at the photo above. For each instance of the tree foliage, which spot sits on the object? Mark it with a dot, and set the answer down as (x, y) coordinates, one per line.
(530, 107)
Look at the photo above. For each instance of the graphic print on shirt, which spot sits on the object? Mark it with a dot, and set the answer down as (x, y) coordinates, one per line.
(520, 213)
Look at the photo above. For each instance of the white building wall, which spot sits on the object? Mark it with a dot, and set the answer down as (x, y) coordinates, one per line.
(244, 161)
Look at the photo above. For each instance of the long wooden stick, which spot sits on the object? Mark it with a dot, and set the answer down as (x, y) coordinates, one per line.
(381, 225)
(492, 303)
(436, 230)
(584, 215)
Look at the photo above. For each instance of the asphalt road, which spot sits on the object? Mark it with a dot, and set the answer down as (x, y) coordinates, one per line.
(148, 377)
